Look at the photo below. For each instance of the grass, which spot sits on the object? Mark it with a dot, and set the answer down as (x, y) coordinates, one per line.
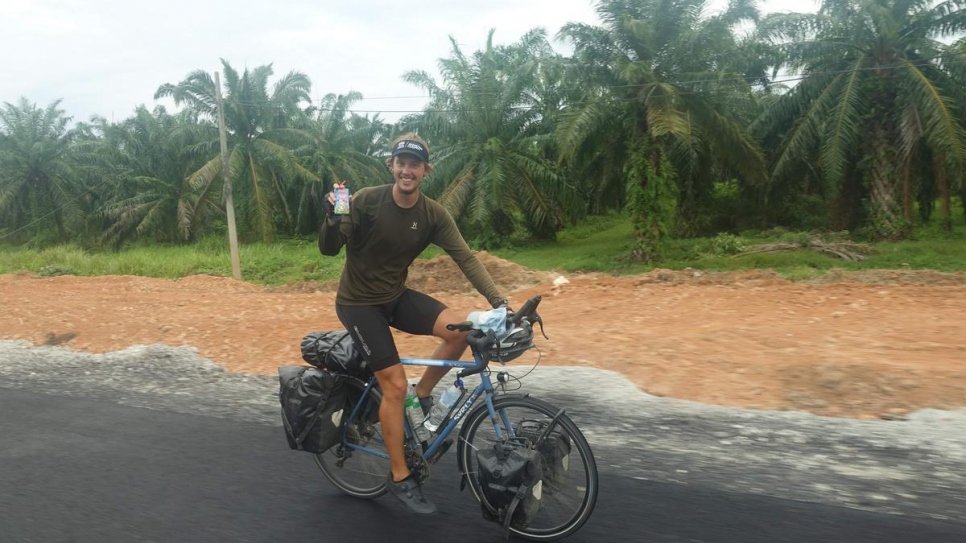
(284, 262)
(599, 244)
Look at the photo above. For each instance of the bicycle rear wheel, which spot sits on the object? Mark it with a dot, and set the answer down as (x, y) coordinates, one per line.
(359, 473)
(569, 493)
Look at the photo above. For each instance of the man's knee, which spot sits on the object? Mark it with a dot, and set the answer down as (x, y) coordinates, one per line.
(448, 316)
(392, 382)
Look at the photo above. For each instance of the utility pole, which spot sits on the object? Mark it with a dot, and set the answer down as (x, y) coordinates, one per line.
(229, 201)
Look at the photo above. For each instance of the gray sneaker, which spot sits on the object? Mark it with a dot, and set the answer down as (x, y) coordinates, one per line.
(410, 493)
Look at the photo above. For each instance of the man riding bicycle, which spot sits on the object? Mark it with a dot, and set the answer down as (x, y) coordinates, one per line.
(386, 228)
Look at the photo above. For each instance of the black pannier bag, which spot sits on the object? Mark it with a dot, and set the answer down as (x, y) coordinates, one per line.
(554, 452)
(313, 402)
(334, 350)
(510, 478)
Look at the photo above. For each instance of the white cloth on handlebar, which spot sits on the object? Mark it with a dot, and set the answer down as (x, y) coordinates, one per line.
(493, 320)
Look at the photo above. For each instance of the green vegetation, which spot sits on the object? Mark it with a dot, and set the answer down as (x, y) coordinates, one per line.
(667, 138)
(281, 262)
(599, 245)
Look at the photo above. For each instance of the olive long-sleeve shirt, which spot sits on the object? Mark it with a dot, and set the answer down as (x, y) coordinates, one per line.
(382, 240)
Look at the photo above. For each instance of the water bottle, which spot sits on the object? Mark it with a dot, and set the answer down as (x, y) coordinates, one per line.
(415, 414)
(441, 407)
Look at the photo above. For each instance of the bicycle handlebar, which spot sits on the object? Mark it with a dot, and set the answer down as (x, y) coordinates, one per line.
(480, 341)
(464, 326)
(528, 310)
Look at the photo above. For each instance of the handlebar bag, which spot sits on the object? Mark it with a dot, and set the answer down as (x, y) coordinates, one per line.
(510, 478)
(312, 401)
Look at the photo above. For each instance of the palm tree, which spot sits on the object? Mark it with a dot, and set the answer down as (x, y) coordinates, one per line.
(343, 147)
(153, 155)
(38, 188)
(261, 161)
(874, 100)
(660, 80)
(953, 62)
(484, 124)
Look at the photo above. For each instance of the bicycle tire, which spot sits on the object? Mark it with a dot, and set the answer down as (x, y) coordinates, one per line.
(361, 474)
(570, 504)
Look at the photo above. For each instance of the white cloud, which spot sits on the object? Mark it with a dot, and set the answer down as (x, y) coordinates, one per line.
(106, 57)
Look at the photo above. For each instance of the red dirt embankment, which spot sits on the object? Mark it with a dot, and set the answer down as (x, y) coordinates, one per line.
(857, 345)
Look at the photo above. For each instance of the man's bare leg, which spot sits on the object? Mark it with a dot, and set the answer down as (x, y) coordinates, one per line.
(452, 348)
(392, 383)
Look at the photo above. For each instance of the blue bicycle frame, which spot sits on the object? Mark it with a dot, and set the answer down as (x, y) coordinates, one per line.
(485, 389)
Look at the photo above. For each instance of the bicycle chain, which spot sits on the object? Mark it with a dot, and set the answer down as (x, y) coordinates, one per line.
(417, 464)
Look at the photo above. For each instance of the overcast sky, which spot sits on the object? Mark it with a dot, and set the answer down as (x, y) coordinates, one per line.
(105, 57)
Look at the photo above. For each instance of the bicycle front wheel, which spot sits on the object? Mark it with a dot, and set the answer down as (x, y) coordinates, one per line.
(569, 488)
(359, 464)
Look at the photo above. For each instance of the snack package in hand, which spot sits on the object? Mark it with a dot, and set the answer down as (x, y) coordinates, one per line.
(341, 201)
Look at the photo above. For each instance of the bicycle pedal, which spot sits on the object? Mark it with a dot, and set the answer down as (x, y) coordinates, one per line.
(443, 447)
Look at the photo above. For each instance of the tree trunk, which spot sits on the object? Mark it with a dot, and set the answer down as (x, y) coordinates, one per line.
(907, 190)
(887, 221)
(846, 207)
(652, 200)
(944, 196)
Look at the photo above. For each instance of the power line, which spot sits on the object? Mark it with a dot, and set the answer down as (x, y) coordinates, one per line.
(789, 78)
(35, 221)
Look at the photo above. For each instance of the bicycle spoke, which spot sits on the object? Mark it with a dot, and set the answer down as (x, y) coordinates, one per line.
(569, 482)
(360, 473)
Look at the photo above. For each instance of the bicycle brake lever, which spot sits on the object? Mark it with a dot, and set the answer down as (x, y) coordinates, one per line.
(536, 318)
(464, 326)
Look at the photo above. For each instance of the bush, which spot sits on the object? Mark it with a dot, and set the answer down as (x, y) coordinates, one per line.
(806, 212)
(727, 244)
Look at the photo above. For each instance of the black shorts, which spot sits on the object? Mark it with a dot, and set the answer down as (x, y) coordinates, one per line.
(412, 312)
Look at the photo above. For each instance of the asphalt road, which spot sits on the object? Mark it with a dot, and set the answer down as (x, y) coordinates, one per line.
(79, 470)
(154, 443)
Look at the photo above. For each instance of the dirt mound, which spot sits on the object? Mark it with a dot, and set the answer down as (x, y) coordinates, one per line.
(700, 277)
(306, 287)
(748, 278)
(859, 344)
(441, 274)
(891, 277)
(214, 282)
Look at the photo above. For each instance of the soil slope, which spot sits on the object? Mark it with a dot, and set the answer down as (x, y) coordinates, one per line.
(875, 344)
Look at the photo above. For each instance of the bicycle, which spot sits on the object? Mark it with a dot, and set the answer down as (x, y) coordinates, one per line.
(358, 464)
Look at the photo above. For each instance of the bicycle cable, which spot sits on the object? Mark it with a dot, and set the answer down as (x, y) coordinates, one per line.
(519, 380)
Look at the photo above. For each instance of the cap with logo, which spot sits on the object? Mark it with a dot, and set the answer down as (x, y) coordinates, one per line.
(411, 147)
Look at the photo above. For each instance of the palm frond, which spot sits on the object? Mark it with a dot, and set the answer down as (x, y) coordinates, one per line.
(207, 174)
(805, 134)
(842, 132)
(942, 127)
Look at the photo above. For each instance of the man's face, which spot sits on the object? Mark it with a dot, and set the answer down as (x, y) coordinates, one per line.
(407, 173)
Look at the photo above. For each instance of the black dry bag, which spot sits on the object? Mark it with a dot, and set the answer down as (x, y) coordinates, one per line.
(313, 402)
(334, 350)
(554, 448)
(510, 478)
